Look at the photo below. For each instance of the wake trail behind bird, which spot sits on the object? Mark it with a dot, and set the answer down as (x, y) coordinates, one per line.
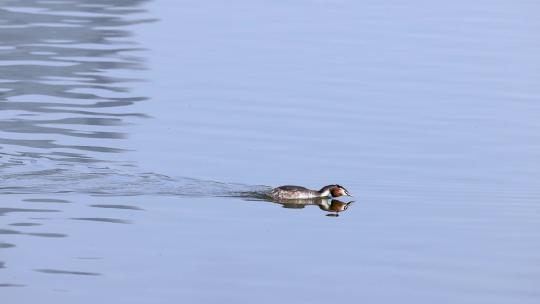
(111, 182)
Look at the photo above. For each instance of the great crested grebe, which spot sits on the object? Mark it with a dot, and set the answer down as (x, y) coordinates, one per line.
(297, 192)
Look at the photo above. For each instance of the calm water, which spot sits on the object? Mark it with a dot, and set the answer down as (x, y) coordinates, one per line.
(128, 127)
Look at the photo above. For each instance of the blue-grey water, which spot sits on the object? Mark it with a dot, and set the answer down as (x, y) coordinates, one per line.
(131, 130)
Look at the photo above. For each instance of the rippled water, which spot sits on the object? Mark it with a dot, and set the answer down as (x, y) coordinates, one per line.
(135, 137)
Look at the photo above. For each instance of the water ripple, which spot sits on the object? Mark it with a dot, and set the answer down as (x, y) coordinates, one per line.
(111, 181)
(4, 211)
(102, 219)
(57, 271)
(60, 79)
(11, 285)
(6, 245)
(123, 207)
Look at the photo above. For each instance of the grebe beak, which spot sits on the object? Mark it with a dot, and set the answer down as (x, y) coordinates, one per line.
(347, 193)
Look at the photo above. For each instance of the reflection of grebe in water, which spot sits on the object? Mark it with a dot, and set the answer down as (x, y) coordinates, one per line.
(335, 206)
(324, 203)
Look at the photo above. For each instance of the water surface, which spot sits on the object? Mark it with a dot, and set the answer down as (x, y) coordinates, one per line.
(129, 128)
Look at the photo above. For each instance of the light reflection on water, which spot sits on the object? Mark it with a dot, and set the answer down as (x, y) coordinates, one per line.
(58, 82)
(58, 78)
(430, 121)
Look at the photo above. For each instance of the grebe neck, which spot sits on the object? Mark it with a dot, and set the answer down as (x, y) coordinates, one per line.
(325, 191)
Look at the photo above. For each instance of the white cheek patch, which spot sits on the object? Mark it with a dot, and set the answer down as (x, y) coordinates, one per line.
(325, 193)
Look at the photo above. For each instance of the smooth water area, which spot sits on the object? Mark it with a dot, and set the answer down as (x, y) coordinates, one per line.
(131, 130)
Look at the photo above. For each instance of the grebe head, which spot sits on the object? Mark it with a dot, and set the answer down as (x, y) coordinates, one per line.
(334, 190)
